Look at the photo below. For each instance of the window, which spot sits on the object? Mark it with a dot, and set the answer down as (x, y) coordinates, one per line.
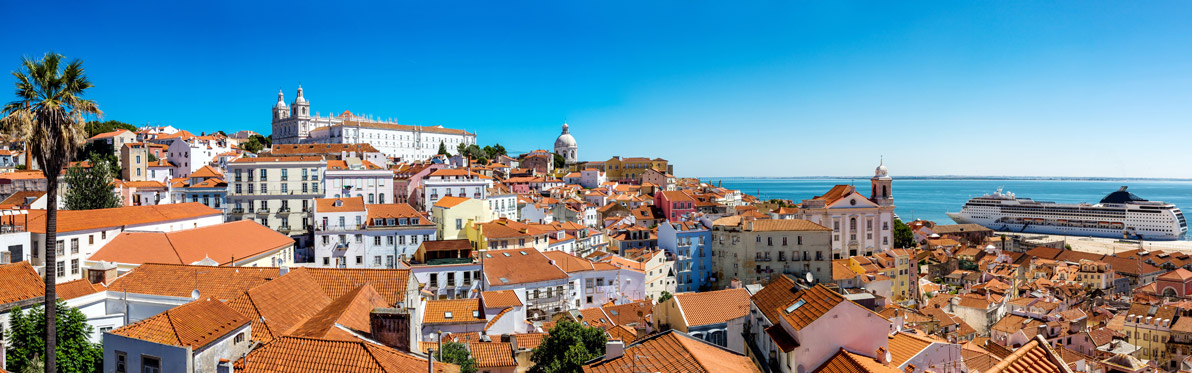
(121, 362)
(359, 259)
(150, 364)
(377, 261)
(239, 338)
(263, 174)
(459, 223)
(60, 248)
(74, 266)
(74, 245)
(377, 241)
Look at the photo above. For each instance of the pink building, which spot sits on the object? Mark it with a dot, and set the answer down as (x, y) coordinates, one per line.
(674, 204)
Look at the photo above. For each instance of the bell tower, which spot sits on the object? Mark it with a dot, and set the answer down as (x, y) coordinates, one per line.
(280, 112)
(301, 108)
(881, 192)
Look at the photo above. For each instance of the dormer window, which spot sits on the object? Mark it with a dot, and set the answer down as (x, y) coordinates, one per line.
(337, 203)
(475, 314)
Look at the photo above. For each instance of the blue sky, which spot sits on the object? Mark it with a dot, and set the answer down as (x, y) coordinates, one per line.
(765, 88)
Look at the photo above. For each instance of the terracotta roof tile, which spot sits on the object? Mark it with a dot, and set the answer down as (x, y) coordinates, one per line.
(904, 346)
(528, 341)
(500, 299)
(193, 325)
(673, 351)
(713, 307)
(352, 204)
(206, 172)
(811, 304)
(278, 159)
(453, 311)
(392, 284)
(77, 288)
(221, 242)
(449, 201)
(848, 362)
(221, 283)
(19, 281)
(622, 332)
(506, 267)
(492, 354)
(1035, 356)
(351, 311)
(395, 211)
(296, 354)
(77, 220)
(279, 306)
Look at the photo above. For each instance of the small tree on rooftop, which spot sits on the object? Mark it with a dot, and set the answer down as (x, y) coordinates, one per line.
(91, 188)
(567, 347)
(458, 354)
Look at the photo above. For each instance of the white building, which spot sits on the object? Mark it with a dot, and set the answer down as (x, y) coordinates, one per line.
(190, 153)
(193, 337)
(860, 225)
(355, 177)
(276, 191)
(592, 178)
(83, 232)
(351, 234)
(566, 146)
(454, 182)
(502, 203)
(296, 125)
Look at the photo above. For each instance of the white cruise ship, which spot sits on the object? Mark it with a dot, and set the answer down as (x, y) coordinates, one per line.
(1120, 214)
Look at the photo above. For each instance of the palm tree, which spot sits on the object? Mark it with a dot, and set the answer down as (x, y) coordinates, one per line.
(49, 115)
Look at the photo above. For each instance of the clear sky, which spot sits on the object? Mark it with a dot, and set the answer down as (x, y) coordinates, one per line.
(732, 88)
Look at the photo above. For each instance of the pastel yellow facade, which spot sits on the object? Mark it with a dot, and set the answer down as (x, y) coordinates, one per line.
(451, 219)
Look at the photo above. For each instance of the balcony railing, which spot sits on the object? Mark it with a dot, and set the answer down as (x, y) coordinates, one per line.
(284, 211)
(285, 229)
(237, 210)
(262, 210)
(339, 228)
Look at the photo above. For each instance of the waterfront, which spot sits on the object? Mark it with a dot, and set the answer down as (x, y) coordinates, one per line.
(931, 198)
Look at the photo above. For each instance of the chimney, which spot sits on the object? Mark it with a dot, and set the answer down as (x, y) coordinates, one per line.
(391, 327)
(282, 271)
(224, 366)
(614, 349)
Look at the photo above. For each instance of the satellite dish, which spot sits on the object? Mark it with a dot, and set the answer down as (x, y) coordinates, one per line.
(809, 277)
(888, 357)
(194, 294)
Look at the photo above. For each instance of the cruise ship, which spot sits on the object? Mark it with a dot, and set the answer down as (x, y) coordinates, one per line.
(1120, 214)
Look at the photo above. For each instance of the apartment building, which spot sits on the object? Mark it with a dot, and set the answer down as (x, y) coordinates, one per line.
(351, 234)
(278, 192)
(752, 250)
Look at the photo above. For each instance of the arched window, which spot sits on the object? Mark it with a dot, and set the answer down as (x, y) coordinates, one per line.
(381, 199)
(885, 193)
(852, 224)
(370, 198)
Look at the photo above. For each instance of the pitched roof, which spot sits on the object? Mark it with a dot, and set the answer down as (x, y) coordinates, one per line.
(453, 311)
(278, 306)
(278, 159)
(220, 283)
(500, 299)
(206, 172)
(77, 288)
(673, 351)
(528, 341)
(771, 225)
(297, 354)
(1178, 275)
(713, 307)
(19, 281)
(392, 284)
(348, 204)
(334, 149)
(77, 220)
(1035, 356)
(221, 242)
(449, 201)
(569, 263)
(811, 304)
(21, 199)
(519, 266)
(195, 324)
(780, 292)
(394, 211)
(492, 354)
(848, 362)
(904, 346)
(350, 310)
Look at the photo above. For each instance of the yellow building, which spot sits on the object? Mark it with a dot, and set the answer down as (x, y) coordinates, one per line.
(895, 264)
(1149, 328)
(453, 214)
(506, 234)
(617, 168)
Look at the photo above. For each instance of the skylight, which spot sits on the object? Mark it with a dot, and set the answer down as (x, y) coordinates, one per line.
(795, 306)
(475, 314)
(522, 252)
(504, 280)
(506, 255)
(447, 315)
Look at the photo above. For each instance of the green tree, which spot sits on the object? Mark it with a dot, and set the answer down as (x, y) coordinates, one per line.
(665, 295)
(152, 158)
(443, 148)
(26, 343)
(91, 188)
(50, 116)
(560, 162)
(567, 347)
(461, 149)
(903, 236)
(252, 145)
(97, 127)
(456, 353)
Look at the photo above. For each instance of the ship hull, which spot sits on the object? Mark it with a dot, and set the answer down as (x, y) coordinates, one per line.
(962, 218)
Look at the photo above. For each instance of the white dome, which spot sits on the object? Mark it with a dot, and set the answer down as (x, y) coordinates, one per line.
(881, 170)
(299, 100)
(565, 140)
(281, 103)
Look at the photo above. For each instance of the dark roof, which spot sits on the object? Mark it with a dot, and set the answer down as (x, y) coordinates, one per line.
(447, 245)
(1122, 196)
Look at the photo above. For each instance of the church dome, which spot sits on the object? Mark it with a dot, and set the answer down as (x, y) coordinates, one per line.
(299, 100)
(281, 102)
(881, 171)
(565, 140)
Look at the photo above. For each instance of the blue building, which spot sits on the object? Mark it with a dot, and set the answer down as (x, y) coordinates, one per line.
(687, 243)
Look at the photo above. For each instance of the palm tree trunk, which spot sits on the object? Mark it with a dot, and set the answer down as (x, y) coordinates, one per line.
(51, 268)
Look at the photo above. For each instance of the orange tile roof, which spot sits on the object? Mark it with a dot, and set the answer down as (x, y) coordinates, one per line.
(816, 301)
(394, 210)
(505, 298)
(848, 362)
(195, 324)
(528, 341)
(221, 242)
(350, 310)
(77, 220)
(390, 283)
(350, 204)
(904, 346)
(296, 354)
(110, 134)
(569, 263)
(221, 283)
(673, 351)
(836, 193)
(771, 299)
(1178, 275)
(507, 267)
(278, 159)
(622, 332)
(1035, 356)
(22, 175)
(77, 288)
(772, 225)
(493, 319)
(713, 307)
(278, 306)
(492, 354)
(21, 199)
(449, 201)
(453, 311)
(332, 149)
(639, 313)
(19, 281)
(206, 172)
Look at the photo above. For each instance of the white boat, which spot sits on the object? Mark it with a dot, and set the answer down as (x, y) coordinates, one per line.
(1120, 214)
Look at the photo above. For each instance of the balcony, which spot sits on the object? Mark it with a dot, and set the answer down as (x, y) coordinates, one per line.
(339, 228)
(262, 210)
(237, 211)
(340, 246)
(284, 211)
(285, 229)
